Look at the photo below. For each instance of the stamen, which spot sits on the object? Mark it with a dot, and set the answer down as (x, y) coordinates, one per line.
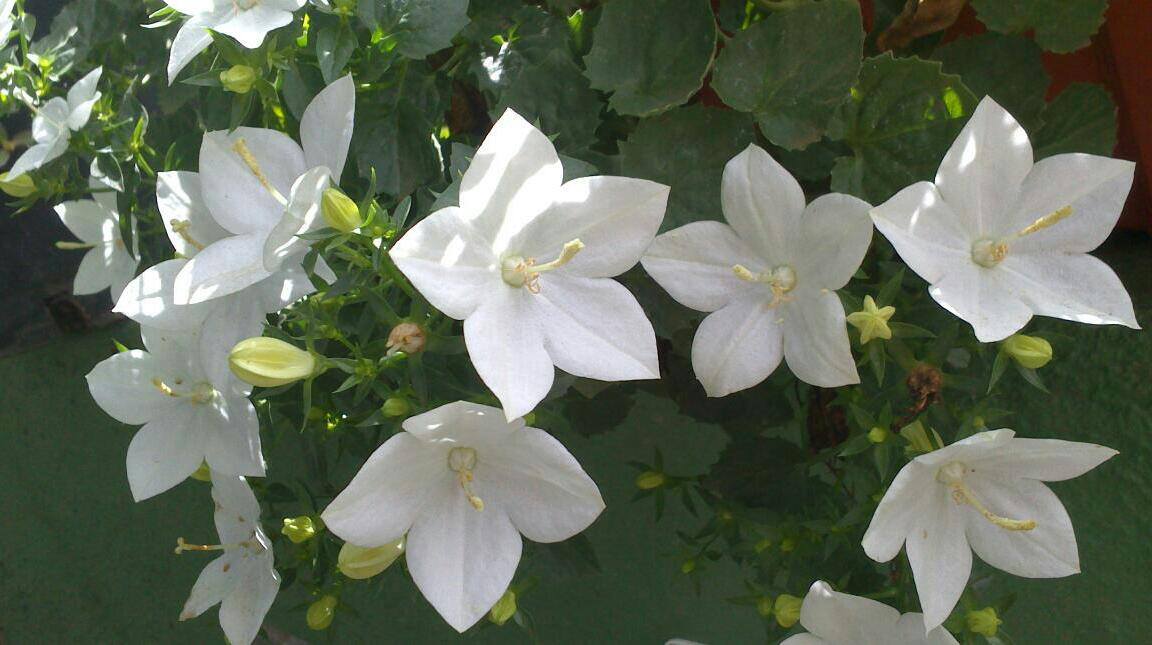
(241, 148)
(182, 546)
(566, 254)
(952, 474)
(462, 461)
(163, 387)
(181, 227)
(988, 253)
(524, 272)
(74, 246)
(1046, 221)
(781, 280)
(201, 393)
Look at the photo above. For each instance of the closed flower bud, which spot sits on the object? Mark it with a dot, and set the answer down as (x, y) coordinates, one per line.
(984, 622)
(788, 545)
(299, 529)
(787, 610)
(878, 435)
(21, 186)
(321, 612)
(650, 479)
(1032, 352)
(270, 362)
(504, 609)
(406, 337)
(238, 79)
(361, 563)
(340, 212)
(872, 321)
(396, 406)
(764, 606)
(688, 566)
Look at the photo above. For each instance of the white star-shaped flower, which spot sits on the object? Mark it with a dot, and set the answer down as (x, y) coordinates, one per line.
(464, 484)
(1001, 239)
(834, 618)
(187, 418)
(768, 277)
(108, 263)
(248, 21)
(55, 121)
(982, 494)
(243, 581)
(6, 20)
(526, 260)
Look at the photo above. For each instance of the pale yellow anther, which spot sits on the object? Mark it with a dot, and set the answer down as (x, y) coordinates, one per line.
(517, 271)
(182, 228)
(462, 461)
(241, 148)
(201, 393)
(952, 475)
(1046, 221)
(781, 280)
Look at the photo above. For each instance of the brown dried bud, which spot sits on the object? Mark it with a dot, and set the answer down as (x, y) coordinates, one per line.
(924, 384)
(406, 337)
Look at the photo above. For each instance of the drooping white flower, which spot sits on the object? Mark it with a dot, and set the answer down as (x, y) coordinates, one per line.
(243, 581)
(1001, 239)
(464, 484)
(187, 418)
(108, 263)
(526, 260)
(834, 618)
(265, 190)
(248, 21)
(55, 121)
(982, 494)
(768, 278)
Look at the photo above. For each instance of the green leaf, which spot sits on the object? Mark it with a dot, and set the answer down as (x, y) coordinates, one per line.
(790, 81)
(1058, 25)
(417, 27)
(687, 149)
(334, 46)
(1081, 119)
(1007, 68)
(900, 120)
(554, 93)
(652, 54)
(998, 367)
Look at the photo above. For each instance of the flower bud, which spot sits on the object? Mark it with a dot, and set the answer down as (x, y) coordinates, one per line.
(984, 622)
(764, 606)
(688, 566)
(788, 545)
(919, 440)
(340, 212)
(203, 473)
(650, 479)
(1032, 352)
(396, 406)
(21, 186)
(270, 362)
(321, 613)
(299, 529)
(361, 563)
(872, 321)
(238, 79)
(504, 609)
(763, 545)
(787, 610)
(878, 435)
(406, 337)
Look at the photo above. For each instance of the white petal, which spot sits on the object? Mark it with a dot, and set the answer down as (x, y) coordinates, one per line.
(237, 514)
(390, 492)
(1048, 460)
(506, 345)
(902, 506)
(762, 201)
(88, 220)
(286, 286)
(148, 300)
(981, 174)
(81, 97)
(190, 40)
(122, 386)
(462, 559)
(909, 630)
(326, 127)
(513, 177)
(479, 426)
(843, 618)
(92, 275)
(192, 7)
(973, 449)
(212, 586)
(1047, 551)
(694, 263)
(121, 269)
(985, 299)
(940, 557)
(835, 233)
(223, 268)
(1076, 287)
(816, 345)
(926, 232)
(802, 639)
(165, 452)
(235, 196)
(448, 262)
(302, 215)
(242, 612)
(250, 26)
(181, 200)
(1094, 187)
(615, 217)
(738, 346)
(232, 319)
(37, 156)
(540, 485)
(593, 327)
(233, 444)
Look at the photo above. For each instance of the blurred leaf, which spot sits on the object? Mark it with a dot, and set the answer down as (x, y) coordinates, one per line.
(1058, 25)
(334, 46)
(1007, 68)
(418, 27)
(1081, 119)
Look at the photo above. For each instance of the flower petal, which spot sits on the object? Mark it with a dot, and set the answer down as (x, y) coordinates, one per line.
(121, 268)
(816, 345)
(843, 618)
(1048, 460)
(835, 233)
(984, 298)
(88, 220)
(738, 346)
(216, 581)
(237, 514)
(37, 156)
(81, 97)
(92, 275)
(122, 386)
(251, 25)
(694, 263)
(235, 196)
(940, 557)
(221, 269)
(903, 504)
(148, 300)
(1077, 287)
(165, 452)
(302, 215)
(1047, 551)
(181, 202)
(763, 202)
(925, 231)
(909, 630)
(479, 426)
(242, 611)
(233, 444)
(506, 345)
(326, 127)
(190, 40)
(233, 318)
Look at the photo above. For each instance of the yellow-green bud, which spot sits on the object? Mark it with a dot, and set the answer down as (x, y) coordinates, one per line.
(763, 545)
(764, 606)
(688, 566)
(340, 212)
(650, 479)
(270, 362)
(238, 79)
(787, 610)
(530, 419)
(504, 609)
(918, 439)
(321, 613)
(396, 406)
(1032, 352)
(788, 545)
(407, 337)
(299, 529)
(878, 435)
(203, 473)
(872, 321)
(21, 186)
(984, 622)
(361, 563)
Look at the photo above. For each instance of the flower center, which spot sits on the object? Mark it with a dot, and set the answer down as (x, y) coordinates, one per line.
(518, 271)
(952, 475)
(244, 5)
(241, 148)
(781, 280)
(987, 252)
(181, 227)
(199, 393)
(462, 461)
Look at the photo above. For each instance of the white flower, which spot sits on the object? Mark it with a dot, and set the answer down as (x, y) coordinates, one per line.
(768, 276)
(248, 21)
(265, 190)
(837, 618)
(55, 121)
(525, 262)
(1001, 239)
(464, 484)
(982, 494)
(108, 264)
(243, 581)
(6, 20)
(187, 418)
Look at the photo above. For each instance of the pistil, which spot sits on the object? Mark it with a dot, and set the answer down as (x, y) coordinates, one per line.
(952, 475)
(989, 253)
(182, 546)
(241, 148)
(781, 280)
(74, 246)
(201, 393)
(462, 461)
(182, 228)
(519, 271)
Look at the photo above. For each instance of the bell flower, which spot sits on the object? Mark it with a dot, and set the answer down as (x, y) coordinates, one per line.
(465, 484)
(838, 618)
(361, 563)
(248, 21)
(1001, 239)
(767, 278)
(243, 580)
(108, 263)
(981, 494)
(525, 261)
(187, 418)
(55, 121)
